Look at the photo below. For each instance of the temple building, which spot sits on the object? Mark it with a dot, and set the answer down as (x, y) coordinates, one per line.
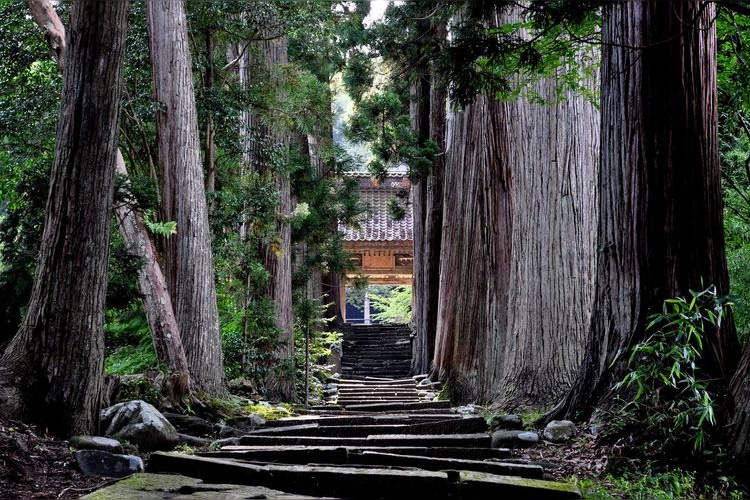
(381, 248)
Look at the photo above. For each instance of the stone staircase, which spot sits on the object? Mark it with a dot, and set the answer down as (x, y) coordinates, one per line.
(378, 441)
(373, 453)
(376, 351)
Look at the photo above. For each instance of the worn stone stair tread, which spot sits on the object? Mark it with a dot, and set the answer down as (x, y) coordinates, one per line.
(442, 440)
(365, 419)
(376, 459)
(476, 425)
(306, 453)
(357, 482)
(334, 411)
(400, 406)
(149, 486)
(372, 457)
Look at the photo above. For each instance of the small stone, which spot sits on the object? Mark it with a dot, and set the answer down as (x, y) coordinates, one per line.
(230, 441)
(95, 443)
(429, 396)
(528, 438)
(195, 442)
(247, 422)
(505, 439)
(559, 430)
(501, 421)
(227, 431)
(187, 424)
(104, 463)
(514, 439)
(466, 410)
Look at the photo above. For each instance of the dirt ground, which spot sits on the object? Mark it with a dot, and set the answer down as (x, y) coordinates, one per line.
(34, 465)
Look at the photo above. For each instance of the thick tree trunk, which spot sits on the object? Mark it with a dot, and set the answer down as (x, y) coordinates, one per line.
(554, 162)
(475, 251)
(326, 284)
(268, 152)
(188, 255)
(419, 113)
(157, 303)
(51, 372)
(517, 255)
(660, 209)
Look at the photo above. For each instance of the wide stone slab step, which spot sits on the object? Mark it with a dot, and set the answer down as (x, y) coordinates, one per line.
(363, 419)
(473, 425)
(476, 440)
(400, 406)
(147, 486)
(332, 453)
(356, 482)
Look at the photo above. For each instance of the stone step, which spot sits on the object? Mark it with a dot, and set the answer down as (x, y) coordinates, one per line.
(363, 419)
(359, 482)
(377, 380)
(343, 456)
(277, 453)
(441, 440)
(462, 426)
(377, 390)
(377, 386)
(338, 411)
(401, 406)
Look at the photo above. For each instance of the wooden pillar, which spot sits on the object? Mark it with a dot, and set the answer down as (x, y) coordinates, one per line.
(342, 298)
(367, 309)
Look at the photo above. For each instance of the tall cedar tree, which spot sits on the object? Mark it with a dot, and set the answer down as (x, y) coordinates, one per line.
(517, 253)
(660, 209)
(157, 303)
(51, 372)
(266, 140)
(188, 257)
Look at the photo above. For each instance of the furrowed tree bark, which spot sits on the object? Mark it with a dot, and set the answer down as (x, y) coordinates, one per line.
(475, 251)
(268, 153)
(52, 371)
(660, 210)
(428, 193)
(554, 162)
(419, 114)
(187, 255)
(517, 255)
(156, 301)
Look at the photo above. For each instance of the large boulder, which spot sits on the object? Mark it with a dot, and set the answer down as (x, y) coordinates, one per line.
(104, 463)
(139, 423)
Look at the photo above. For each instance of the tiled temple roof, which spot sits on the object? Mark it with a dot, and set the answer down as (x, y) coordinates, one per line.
(377, 223)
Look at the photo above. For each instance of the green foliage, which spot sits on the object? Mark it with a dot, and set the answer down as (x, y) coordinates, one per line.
(670, 396)
(546, 41)
(128, 340)
(164, 229)
(734, 143)
(311, 326)
(662, 485)
(269, 412)
(395, 307)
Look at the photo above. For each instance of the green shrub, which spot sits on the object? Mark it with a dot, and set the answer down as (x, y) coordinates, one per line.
(671, 396)
(128, 339)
